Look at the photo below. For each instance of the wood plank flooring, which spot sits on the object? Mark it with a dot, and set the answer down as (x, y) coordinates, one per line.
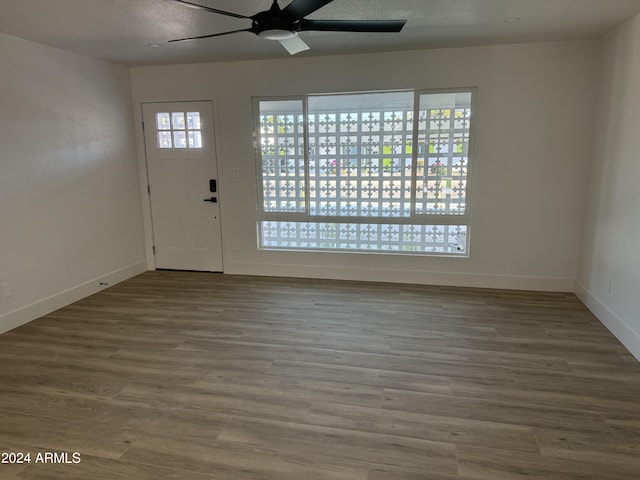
(178, 375)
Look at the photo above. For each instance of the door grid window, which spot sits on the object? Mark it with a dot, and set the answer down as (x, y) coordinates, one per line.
(179, 130)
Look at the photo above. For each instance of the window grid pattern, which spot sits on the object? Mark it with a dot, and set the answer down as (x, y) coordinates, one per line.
(360, 166)
(179, 130)
(443, 159)
(282, 154)
(443, 239)
(360, 163)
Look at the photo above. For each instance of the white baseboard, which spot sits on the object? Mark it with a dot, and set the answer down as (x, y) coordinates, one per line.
(616, 325)
(37, 309)
(504, 282)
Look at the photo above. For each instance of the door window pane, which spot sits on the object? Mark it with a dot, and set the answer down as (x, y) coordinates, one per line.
(178, 120)
(164, 140)
(193, 120)
(162, 121)
(179, 140)
(195, 139)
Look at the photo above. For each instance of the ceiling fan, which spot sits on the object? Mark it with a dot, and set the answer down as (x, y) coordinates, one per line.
(284, 24)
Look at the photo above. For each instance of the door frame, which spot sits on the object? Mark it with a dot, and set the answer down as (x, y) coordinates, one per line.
(143, 170)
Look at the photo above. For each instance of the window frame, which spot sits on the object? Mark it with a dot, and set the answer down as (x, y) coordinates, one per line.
(413, 218)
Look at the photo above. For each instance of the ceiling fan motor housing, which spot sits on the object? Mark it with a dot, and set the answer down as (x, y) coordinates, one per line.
(274, 24)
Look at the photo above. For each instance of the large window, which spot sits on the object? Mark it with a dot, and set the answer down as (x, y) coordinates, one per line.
(357, 172)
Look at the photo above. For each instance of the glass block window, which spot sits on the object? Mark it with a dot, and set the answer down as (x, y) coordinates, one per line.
(444, 123)
(444, 239)
(179, 130)
(384, 171)
(360, 155)
(282, 160)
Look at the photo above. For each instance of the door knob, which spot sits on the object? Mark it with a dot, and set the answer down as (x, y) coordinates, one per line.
(212, 200)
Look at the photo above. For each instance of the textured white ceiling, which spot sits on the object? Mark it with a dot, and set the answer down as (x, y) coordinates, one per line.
(120, 30)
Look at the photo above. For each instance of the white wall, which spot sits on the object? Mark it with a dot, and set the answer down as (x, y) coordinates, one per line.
(70, 209)
(611, 250)
(532, 142)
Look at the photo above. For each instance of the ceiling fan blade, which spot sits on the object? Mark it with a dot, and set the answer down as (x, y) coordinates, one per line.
(301, 8)
(209, 9)
(294, 45)
(390, 26)
(212, 35)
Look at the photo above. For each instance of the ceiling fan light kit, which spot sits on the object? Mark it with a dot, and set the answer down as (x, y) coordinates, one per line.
(276, 34)
(283, 25)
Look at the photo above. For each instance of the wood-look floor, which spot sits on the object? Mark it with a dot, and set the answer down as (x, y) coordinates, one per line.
(194, 376)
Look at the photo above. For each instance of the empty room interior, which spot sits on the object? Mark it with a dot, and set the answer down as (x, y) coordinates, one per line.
(320, 240)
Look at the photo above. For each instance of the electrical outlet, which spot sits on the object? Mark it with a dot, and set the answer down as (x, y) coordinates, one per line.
(7, 291)
(235, 172)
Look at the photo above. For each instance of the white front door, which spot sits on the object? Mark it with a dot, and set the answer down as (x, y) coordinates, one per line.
(183, 178)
